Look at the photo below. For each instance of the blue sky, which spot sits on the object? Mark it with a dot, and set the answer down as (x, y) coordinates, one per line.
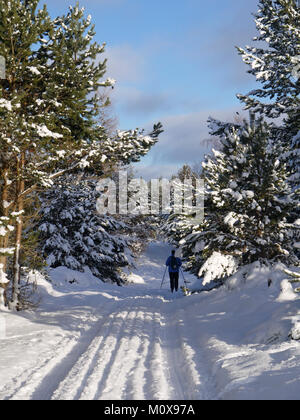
(174, 62)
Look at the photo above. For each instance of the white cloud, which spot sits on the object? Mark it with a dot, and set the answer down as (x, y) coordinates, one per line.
(148, 172)
(140, 103)
(185, 140)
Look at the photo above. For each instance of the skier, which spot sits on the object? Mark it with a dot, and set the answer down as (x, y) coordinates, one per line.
(174, 265)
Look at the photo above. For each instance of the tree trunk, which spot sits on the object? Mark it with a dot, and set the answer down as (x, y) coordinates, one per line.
(20, 187)
(4, 213)
(16, 266)
(4, 240)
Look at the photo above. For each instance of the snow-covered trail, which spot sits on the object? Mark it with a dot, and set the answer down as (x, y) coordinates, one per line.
(124, 343)
(90, 340)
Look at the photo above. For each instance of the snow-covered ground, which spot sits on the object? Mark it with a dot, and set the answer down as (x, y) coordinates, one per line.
(90, 340)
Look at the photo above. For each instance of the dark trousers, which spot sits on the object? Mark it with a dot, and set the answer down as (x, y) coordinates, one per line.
(174, 277)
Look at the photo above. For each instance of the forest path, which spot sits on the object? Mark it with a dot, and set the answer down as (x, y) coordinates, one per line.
(95, 341)
(137, 344)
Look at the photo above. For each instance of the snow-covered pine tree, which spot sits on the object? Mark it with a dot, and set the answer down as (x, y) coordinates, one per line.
(20, 27)
(48, 107)
(247, 203)
(176, 227)
(275, 63)
(74, 235)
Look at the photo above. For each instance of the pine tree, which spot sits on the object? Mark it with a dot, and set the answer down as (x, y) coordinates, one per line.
(177, 227)
(277, 67)
(49, 107)
(74, 235)
(247, 202)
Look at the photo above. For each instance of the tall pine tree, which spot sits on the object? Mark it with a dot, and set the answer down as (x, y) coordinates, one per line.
(275, 63)
(247, 201)
(49, 104)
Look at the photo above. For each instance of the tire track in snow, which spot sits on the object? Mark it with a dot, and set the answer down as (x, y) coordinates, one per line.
(124, 362)
(131, 363)
(134, 353)
(141, 366)
(73, 384)
(136, 387)
(54, 372)
(137, 379)
(107, 354)
(160, 362)
(149, 379)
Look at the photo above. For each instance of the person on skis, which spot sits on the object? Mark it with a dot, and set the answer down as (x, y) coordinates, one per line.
(174, 265)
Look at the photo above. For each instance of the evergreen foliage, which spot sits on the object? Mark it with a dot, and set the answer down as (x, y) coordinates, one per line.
(74, 235)
(248, 202)
(276, 65)
(49, 113)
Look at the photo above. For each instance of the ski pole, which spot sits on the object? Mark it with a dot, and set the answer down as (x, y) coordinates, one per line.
(163, 278)
(183, 277)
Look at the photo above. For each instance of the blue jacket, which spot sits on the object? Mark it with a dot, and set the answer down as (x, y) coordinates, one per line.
(168, 264)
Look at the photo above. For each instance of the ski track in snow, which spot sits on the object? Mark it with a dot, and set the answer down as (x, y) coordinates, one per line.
(138, 346)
